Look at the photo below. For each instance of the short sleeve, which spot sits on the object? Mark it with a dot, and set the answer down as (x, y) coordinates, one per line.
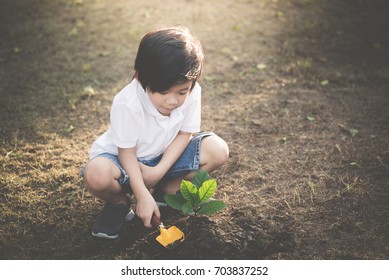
(126, 123)
(192, 113)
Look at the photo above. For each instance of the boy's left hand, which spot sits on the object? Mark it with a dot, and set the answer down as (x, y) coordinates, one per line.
(151, 175)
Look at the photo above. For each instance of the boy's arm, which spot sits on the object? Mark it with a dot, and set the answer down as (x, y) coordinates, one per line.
(174, 151)
(151, 175)
(146, 206)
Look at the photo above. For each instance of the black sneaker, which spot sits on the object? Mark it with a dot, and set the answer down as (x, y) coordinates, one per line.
(108, 221)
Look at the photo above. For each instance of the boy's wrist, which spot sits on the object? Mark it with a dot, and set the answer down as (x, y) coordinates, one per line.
(161, 169)
(140, 194)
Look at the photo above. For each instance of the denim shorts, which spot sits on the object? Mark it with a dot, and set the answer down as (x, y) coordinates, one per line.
(188, 161)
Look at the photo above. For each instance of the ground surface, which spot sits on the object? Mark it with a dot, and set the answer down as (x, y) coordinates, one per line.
(298, 88)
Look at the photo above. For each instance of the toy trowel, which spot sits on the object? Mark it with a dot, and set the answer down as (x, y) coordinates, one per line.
(168, 237)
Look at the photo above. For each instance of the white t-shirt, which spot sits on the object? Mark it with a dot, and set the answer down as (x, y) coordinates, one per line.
(135, 122)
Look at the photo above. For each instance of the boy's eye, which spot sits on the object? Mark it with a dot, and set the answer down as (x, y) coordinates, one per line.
(183, 92)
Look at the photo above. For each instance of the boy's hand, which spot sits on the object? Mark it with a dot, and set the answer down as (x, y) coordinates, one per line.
(146, 208)
(151, 175)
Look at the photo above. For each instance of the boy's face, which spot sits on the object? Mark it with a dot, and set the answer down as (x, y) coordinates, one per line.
(165, 102)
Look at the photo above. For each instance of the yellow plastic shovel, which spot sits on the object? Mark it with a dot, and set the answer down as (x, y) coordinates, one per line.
(168, 237)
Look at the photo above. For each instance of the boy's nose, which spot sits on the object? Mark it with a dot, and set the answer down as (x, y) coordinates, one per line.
(172, 100)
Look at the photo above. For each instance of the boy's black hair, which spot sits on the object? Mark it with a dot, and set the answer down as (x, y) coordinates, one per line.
(167, 57)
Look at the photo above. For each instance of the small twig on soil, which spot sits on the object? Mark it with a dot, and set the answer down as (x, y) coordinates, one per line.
(382, 163)
(267, 111)
(201, 237)
(10, 152)
(289, 207)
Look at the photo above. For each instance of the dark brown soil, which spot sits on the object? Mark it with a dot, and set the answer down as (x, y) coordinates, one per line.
(298, 88)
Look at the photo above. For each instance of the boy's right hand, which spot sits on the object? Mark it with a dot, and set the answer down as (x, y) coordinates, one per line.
(146, 208)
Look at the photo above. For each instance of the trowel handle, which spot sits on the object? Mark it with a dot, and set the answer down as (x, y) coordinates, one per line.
(155, 221)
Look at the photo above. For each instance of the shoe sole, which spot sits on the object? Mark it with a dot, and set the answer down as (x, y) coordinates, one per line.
(130, 215)
(104, 235)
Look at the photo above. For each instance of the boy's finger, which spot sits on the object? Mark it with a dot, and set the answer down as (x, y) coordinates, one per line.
(157, 213)
(147, 224)
(155, 221)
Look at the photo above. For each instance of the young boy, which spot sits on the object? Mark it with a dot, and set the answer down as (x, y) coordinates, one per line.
(149, 143)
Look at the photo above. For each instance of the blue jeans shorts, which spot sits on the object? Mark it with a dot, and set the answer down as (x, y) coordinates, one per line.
(188, 161)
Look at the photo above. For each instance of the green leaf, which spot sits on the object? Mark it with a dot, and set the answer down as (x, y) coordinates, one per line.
(353, 132)
(236, 27)
(86, 67)
(211, 207)
(88, 92)
(187, 208)
(80, 23)
(175, 201)
(70, 128)
(209, 78)
(188, 191)
(279, 14)
(207, 190)
(73, 32)
(311, 119)
(226, 50)
(200, 177)
(261, 66)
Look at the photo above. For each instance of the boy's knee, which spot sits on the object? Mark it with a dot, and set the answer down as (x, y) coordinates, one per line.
(98, 174)
(223, 151)
(217, 149)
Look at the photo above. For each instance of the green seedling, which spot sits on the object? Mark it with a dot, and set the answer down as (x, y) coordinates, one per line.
(196, 196)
